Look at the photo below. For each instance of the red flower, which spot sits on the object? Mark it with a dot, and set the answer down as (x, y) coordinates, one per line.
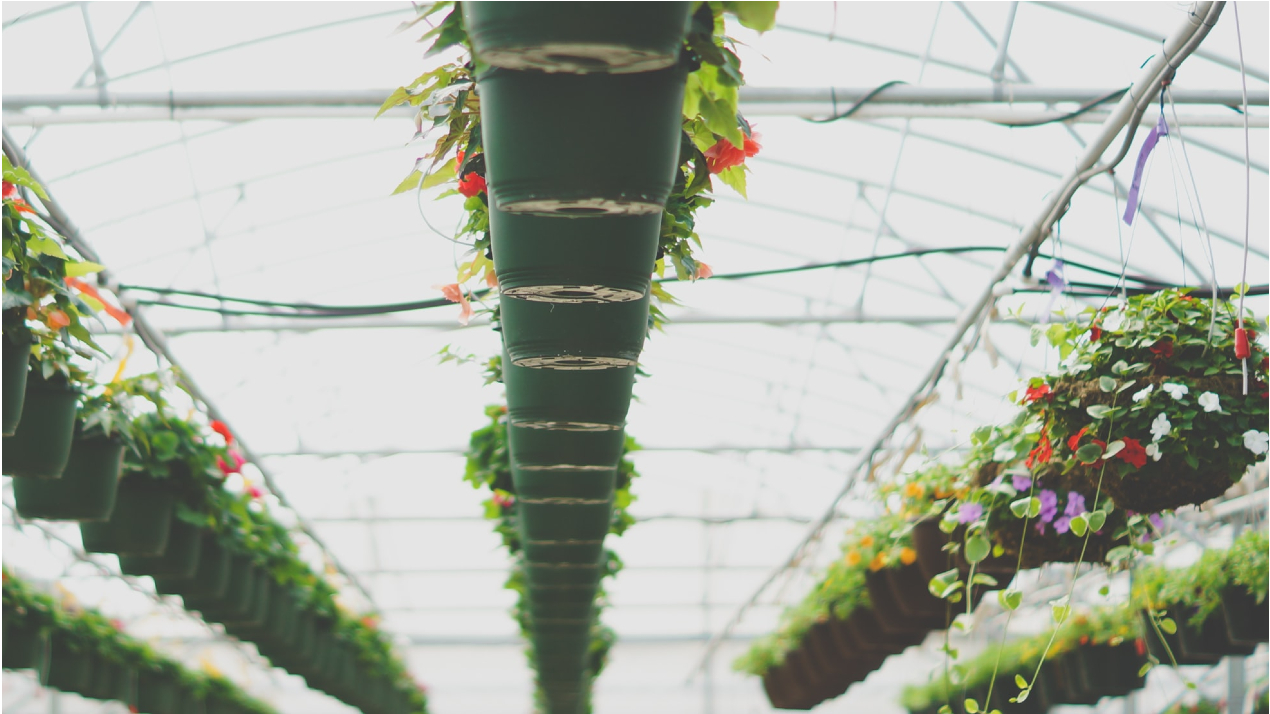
(255, 492)
(11, 194)
(502, 500)
(724, 154)
(237, 466)
(1035, 393)
(1140, 646)
(1163, 349)
(1041, 454)
(219, 427)
(1074, 439)
(1095, 333)
(472, 185)
(1133, 453)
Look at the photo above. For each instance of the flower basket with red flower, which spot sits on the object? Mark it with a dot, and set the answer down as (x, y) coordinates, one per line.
(1153, 412)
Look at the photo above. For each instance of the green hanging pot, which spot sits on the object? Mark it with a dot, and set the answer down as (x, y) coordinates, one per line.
(211, 577)
(278, 628)
(238, 602)
(578, 595)
(562, 572)
(617, 157)
(86, 490)
(179, 559)
(571, 260)
(140, 522)
(577, 37)
(562, 486)
(551, 519)
(23, 640)
(70, 664)
(546, 447)
(587, 336)
(111, 681)
(258, 614)
(567, 400)
(158, 693)
(17, 358)
(41, 443)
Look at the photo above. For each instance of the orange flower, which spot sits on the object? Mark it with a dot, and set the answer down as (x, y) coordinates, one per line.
(454, 293)
(491, 279)
(120, 316)
(940, 492)
(853, 558)
(703, 271)
(878, 562)
(58, 319)
(908, 556)
(724, 154)
(914, 490)
(866, 541)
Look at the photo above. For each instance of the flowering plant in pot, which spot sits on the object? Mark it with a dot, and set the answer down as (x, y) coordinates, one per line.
(1149, 402)
(104, 429)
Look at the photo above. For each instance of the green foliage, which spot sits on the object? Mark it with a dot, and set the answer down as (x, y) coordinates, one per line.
(1197, 589)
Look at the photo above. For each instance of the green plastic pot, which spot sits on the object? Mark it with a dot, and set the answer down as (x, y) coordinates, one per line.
(180, 558)
(617, 157)
(278, 628)
(565, 519)
(17, 358)
(140, 522)
(573, 260)
(70, 669)
(211, 577)
(255, 618)
(86, 490)
(158, 693)
(23, 641)
(41, 443)
(587, 336)
(568, 400)
(577, 37)
(549, 611)
(1247, 621)
(567, 490)
(239, 601)
(549, 447)
(562, 572)
(111, 681)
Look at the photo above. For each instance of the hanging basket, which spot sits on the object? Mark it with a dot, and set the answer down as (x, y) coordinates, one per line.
(23, 641)
(913, 596)
(86, 490)
(1202, 645)
(281, 624)
(566, 518)
(158, 693)
(210, 579)
(562, 486)
(569, 260)
(179, 559)
(1247, 621)
(1111, 671)
(850, 666)
(111, 681)
(238, 600)
(258, 613)
(70, 665)
(41, 443)
(617, 157)
(140, 522)
(577, 37)
(574, 337)
(548, 448)
(886, 609)
(567, 400)
(17, 357)
(562, 572)
(867, 630)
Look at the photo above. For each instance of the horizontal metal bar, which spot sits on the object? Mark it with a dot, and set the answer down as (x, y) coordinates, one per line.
(749, 97)
(708, 520)
(446, 450)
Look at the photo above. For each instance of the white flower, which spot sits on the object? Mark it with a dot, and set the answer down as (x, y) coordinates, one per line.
(1139, 396)
(1161, 427)
(1177, 391)
(1256, 441)
(1211, 402)
(1153, 450)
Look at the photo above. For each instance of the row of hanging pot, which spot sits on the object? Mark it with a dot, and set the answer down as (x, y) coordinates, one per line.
(1196, 615)
(151, 488)
(81, 651)
(581, 114)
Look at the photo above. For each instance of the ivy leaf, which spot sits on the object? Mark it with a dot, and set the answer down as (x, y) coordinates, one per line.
(1079, 524)
(1020, 681)
(977, 548)
(1106, 384)
(972, 707)
(1168, 625)
(1113, 448)
(1010, 600)
(1097, 519)
(1023, 695)
(1060, 609)
(1088, 453)
(759, 16)
(1146, 667)
(983, 579)
(1098, 411)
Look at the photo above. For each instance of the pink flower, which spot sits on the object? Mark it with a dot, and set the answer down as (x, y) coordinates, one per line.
(454, 293)
(255, 492)
(703, 271)
(237, 466)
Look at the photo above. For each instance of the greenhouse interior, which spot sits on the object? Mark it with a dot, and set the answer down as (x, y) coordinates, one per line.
(903, 399)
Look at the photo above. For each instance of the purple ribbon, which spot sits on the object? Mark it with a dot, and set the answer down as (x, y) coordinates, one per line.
(1161, 129)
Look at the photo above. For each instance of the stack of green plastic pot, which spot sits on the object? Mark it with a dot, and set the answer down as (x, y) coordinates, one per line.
(581, 114)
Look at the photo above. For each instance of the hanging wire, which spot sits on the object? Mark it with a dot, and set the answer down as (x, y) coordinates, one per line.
(1243, 84)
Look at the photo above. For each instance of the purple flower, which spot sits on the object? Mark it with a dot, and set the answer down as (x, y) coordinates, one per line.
(1021, 483)
(969, 512)
(1075, 504)
(1049, 505)
(1062, 525)
(1040, 527)
(1156, 520)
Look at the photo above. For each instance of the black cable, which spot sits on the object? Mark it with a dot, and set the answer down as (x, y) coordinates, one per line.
(1066, 117)
(855, 107)
(307, 310)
